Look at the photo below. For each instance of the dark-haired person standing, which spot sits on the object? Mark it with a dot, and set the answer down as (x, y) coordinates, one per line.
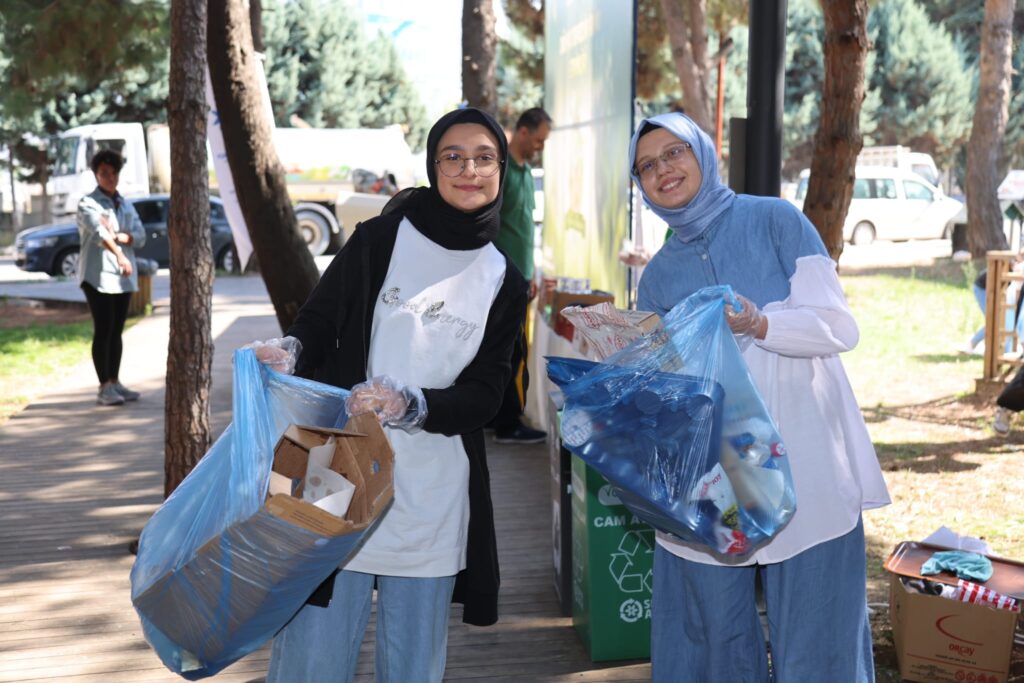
(515, 239)
(417, 315)
(109, 230)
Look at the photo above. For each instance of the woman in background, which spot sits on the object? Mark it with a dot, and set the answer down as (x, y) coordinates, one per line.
(109, 231)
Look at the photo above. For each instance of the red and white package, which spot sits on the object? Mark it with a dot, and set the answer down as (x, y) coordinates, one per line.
(608, 329)
(968, 591)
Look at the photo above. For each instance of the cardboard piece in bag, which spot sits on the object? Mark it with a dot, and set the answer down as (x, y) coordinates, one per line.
(373, 490)
(602, 330)
(938, 639)
(560, 300)
(207, 605)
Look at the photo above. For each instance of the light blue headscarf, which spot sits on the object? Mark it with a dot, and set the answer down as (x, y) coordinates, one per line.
(711, 199)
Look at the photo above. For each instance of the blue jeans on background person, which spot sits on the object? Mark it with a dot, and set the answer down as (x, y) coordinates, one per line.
(979, 296)
(705, 626)
(979, 336)
(321, 644)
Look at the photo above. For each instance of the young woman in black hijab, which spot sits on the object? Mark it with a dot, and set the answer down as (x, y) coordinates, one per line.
(418, 315)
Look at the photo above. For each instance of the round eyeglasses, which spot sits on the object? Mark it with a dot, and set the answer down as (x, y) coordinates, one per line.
(671, 156)
(453, 164)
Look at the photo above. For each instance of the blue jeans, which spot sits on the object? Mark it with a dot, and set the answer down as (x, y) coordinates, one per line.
(321, 644)
(705, 627)
(979, 296)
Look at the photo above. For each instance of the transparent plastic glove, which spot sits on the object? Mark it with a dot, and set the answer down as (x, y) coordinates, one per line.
(395, 403)
(747, 319)
(279, 354)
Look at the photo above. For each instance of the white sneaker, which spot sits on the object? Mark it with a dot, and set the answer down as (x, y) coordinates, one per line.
(1001, 423)
(108, 396)
(972, 349)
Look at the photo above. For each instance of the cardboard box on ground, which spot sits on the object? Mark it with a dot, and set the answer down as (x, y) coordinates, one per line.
(206, 605)
(940, 639)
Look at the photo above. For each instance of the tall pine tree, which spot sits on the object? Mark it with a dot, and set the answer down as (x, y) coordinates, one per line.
(923, 80)
(322, 68)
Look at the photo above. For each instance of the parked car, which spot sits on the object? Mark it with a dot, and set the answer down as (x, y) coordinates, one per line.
(892, 204)
(54, 248)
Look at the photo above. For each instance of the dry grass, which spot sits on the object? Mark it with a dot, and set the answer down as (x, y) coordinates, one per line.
(943, 463)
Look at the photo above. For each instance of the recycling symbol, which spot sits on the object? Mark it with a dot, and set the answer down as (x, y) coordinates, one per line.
(633, 546)
(630, 611)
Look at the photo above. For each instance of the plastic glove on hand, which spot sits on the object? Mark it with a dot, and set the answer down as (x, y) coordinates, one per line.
(395, 403)
(279, 354)
(747, 320)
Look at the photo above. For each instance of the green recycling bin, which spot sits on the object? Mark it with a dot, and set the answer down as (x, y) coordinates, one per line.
(612, 563)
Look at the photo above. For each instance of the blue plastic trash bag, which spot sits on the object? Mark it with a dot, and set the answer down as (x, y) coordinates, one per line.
(675, 424)
(217, 575)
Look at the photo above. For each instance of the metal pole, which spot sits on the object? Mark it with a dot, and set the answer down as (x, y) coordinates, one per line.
(765, 97)
(720, 97)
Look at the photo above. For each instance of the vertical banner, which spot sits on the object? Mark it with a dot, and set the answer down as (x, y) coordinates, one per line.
(225, 181)
(588, 90)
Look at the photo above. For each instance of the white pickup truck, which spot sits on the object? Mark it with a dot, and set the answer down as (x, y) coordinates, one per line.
(898, 156)
(330, 172)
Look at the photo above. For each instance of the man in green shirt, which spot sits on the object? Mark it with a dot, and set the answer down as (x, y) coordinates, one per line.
(516, 239)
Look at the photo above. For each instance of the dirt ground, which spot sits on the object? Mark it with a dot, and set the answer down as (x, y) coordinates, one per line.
(19, 313)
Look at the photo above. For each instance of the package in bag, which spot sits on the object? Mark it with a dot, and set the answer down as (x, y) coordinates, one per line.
(677, 427)
(237, 548)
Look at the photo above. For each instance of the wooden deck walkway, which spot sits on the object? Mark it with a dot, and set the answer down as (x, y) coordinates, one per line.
(77, 482)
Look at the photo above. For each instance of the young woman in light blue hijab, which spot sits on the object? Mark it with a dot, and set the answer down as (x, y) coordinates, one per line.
(793, 324)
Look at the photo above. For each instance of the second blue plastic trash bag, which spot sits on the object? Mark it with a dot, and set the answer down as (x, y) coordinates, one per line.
(216, 574)
(676, 425)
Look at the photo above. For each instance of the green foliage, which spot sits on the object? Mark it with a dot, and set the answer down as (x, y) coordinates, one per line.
(69, 63)
(520, 62)
(963, 19)
(1013, 142)
(323, 69)
(804, 83)
(923, 79)
(805, 75)
(77, 47)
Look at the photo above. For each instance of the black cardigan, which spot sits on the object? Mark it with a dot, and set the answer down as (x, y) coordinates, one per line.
(334, 327)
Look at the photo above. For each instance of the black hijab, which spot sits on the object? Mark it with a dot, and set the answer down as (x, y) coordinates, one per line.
(438, 220)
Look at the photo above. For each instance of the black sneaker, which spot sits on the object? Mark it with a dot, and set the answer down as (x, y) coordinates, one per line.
(519, 434)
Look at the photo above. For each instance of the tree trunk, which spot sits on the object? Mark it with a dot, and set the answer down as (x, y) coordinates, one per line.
(838, 140)
(984, 217)
(286, 265)
(15, 213)
(47, 216)
(688, 36)
(479, 55)
(190, 346)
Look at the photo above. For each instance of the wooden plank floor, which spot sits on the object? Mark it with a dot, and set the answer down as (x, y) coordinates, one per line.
(78, 481)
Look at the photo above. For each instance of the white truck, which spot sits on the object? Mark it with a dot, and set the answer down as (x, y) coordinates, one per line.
(898, 156)
(336, 177)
